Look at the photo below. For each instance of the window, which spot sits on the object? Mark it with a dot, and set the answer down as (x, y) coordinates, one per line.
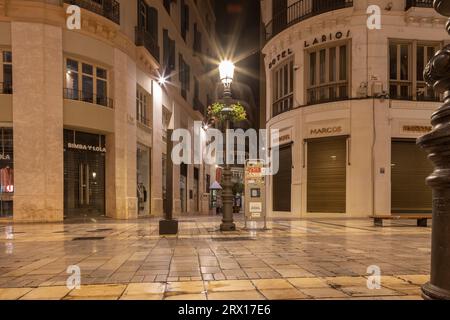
(283, 87)
(143, 112)
(169, 53)
(328, 74)
(407, 62)
(6, 72)
(197, 40)
(184, 19)
(184, 76)
(86, 82)
(166, 4)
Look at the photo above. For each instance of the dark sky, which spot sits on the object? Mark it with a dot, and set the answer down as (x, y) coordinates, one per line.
(238, 23)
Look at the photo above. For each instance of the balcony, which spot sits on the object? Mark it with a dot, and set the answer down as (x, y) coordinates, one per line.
(6, 88)
(146, 39)
(109, 9)
(419, 4)
(144, 120)
(88, 97)
(300, 11)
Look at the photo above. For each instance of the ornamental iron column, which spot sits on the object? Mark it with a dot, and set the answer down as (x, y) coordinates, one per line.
(437, 144)
(226, 70)
(227, 192)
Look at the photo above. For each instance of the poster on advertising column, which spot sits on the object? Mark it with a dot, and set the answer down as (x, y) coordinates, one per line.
(255, 190)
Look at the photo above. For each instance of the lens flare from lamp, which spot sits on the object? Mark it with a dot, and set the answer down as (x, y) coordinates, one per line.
(162, 80)
(226, 69)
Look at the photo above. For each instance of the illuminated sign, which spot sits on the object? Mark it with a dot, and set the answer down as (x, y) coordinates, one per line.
(415, 128)
(327, 37)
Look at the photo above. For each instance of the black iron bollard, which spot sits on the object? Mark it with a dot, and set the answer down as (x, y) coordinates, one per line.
(437, 144)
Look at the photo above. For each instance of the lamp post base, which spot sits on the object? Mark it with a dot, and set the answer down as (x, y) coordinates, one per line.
(228, 226)
(168, 227)
(431, 292)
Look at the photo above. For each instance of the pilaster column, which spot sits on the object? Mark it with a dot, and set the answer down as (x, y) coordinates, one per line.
(38, 122)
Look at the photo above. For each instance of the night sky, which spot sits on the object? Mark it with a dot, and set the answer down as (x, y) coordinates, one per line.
(238, 30)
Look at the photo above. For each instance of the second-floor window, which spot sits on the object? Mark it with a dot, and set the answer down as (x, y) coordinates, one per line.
(407, 62)
(169, 53)
(86, 82)
(328, 74)
(143, 106)
(283, 87)
(184, 76)
(6, 72)
(184, 19)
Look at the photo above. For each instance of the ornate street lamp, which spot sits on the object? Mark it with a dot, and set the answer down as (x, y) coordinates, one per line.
(437, 144)
(226, 70)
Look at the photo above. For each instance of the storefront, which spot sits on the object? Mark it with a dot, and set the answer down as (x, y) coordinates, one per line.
(6, 172)
(84, 174)
(410, 168)
(143, 169)
(326, 170)
(282, 181)
(196, 190)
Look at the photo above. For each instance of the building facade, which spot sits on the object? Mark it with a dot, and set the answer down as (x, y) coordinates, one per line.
(84, 113)
(349, 102)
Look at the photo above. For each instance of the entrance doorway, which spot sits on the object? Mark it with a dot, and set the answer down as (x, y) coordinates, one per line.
(84, 174)
(327, 175)
(410, 168)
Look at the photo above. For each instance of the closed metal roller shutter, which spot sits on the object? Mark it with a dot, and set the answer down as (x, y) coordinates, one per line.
(410, 168)
(282, 181)
(327, 167)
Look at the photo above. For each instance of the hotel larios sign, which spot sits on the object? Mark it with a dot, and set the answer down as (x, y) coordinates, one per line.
(281, 56)
(327, 37)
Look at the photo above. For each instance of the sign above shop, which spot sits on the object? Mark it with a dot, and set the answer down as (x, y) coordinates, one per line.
(328, 130)
(417, 128)
(5, 156)
(327, 37)
(279, 57)
(83, 147)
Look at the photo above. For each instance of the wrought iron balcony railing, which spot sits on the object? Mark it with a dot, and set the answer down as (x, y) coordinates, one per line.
(146, 39)
(300, 11)
(6, 88)
(89, 97)
(109, 9)
(419, 3)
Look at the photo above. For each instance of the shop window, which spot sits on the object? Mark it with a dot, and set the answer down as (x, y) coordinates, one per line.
(328, 74)
(407, 62)
(283, 88)
(143, 110)
(86, 82)
(6, 172)
(6, 72)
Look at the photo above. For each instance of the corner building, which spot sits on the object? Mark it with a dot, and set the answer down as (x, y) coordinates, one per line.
(349, 103)
(83, 117)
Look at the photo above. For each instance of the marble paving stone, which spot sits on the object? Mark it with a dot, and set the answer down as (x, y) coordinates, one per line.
(186, 287)
(283, 294)
(308, 283)
(46, 293)
(323, 293)
(231, 285)
(272, 284)
(99, 292)
(13, 293)
(236, 295)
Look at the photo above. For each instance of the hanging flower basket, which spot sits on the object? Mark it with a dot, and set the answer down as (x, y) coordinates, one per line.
(237, 114)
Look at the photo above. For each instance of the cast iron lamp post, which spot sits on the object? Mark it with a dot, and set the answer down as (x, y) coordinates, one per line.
(437, 144)
(226, 69)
